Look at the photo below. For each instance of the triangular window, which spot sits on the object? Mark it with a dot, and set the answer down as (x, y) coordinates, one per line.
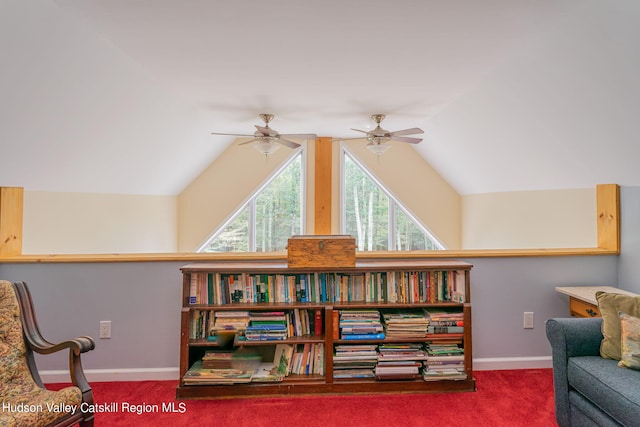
(377, 220)
(267, 220)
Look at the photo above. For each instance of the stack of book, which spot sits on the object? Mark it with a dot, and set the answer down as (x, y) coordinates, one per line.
(445, 322)
(400, 361)
(230, 320)
(217, 359)
(444, 362)
(266, 326)
(405, 324)
(355, 361)
(361, 325)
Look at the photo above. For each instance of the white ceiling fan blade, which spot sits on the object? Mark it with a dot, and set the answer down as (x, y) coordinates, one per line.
(266, 131)
(406, 139)
(358, 130)
(249, 141)
(229, 134)
(299, 135)
(412, 131)
(288, 143)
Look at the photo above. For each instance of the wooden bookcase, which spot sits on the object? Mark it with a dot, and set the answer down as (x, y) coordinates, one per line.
(400, 295)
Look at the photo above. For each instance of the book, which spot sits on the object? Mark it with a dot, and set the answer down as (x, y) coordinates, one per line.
(317, 323)
(282, 358)
(267, 372)
(379, 336)
(199, 375)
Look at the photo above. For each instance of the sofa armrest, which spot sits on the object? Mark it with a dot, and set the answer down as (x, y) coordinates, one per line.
(575, 336)
(570, 337)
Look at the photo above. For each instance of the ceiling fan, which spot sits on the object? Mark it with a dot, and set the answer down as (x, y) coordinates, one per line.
(378, 138)
(265, 138)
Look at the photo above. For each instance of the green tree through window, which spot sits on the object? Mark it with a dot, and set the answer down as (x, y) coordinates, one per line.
(377, 220)
(268, 219)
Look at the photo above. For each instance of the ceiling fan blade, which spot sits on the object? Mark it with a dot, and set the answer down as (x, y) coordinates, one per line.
(229, 134)
(249, 141)
(412, 131)
(358, 130)
(299, 135)
(266, 131)
(288, 143)
(406, 139)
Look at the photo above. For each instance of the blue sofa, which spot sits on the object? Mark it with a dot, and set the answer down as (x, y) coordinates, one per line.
(590, 390)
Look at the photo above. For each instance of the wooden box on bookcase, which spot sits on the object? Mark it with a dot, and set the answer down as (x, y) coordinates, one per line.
(314, 251)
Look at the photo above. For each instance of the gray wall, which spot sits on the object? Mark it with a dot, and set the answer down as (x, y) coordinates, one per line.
(142, 299)
(143, 302)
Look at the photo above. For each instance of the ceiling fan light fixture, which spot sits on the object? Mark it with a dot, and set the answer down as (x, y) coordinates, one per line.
(378, 149)
(266, 147)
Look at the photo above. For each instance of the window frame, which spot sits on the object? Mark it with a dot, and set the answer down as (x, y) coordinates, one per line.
(394, 203)
(250, 203)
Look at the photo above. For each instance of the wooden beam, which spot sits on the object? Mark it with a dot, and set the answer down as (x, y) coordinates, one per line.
(323, 185)
(608, 216)
(11, 200)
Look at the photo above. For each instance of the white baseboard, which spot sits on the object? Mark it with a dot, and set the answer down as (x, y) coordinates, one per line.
(500, 363)
(167, 374)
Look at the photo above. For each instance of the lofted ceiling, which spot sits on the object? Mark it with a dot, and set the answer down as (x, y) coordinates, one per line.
(120, 96)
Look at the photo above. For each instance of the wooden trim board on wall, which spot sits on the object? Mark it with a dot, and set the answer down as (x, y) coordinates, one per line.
(323, 187)
(11, 204)
(608, 216)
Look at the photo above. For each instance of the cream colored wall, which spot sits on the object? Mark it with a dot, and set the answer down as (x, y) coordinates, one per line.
(81, 223)
(220, 190)
(418, 187)
(530, 219)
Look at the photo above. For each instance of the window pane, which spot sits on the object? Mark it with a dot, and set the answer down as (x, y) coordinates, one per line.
(235, 237)
(279, 208)
(366, 209)
(409, 237)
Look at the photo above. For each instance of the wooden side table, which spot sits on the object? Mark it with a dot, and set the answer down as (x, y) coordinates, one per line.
(582, 299)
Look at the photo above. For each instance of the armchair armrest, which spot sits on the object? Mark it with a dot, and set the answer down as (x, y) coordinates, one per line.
(570, 337)
(37, 343)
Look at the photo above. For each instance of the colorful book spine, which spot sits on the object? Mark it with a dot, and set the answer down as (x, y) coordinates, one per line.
(364, 337)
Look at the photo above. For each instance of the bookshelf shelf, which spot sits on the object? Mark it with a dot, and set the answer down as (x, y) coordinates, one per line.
(312, 307)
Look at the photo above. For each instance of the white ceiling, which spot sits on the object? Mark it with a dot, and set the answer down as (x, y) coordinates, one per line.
(120, 96)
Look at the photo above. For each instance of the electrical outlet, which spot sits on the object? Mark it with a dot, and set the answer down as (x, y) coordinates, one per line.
(105, 329)
(527, 320)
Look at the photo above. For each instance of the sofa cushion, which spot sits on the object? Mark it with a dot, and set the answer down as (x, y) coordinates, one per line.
(610, 305)
(630, 346)
(614, 390)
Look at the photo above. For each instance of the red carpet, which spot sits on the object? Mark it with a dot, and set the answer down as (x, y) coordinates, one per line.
(503, 398)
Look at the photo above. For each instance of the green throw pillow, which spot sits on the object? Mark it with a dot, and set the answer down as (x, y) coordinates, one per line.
(610, 304)
(630, 344)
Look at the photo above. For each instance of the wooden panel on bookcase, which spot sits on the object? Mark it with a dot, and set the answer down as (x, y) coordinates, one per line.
(320, 251)
(11, 202)
(323, 185)
(608, 206)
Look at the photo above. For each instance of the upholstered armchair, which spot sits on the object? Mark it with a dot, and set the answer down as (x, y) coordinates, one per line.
(24, 400)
